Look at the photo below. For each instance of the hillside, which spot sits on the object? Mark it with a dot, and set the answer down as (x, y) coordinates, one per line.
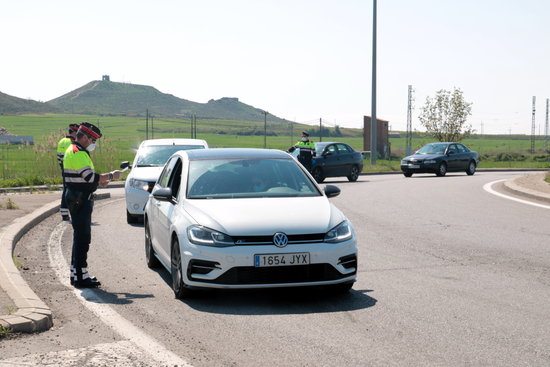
(10, 105)
(111, 98)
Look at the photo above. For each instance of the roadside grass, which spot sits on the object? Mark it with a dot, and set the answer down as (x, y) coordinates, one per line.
(32, 165)
(11, 204)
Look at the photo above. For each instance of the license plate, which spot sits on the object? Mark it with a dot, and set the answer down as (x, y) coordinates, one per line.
(264, 260)
(414, 166)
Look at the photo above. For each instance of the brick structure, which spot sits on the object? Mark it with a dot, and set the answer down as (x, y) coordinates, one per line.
(382, 138)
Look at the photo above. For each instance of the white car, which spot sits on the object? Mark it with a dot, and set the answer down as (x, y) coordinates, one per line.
(246, 218)
(145, 170)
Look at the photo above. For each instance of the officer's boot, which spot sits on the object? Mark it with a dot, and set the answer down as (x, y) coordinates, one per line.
(83, 280)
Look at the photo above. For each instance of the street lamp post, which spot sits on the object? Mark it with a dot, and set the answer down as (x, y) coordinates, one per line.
(373, 121)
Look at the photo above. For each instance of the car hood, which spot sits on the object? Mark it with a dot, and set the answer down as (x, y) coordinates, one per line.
(423, 157)
(265, 216)
(146, 173)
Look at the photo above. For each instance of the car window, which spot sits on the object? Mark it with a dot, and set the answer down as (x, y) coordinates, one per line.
(164, 178)
(342, 148)
(461, 148)
(175, 178)
(157, 155)
(453, 148)
(247, 178)
(433, 148)
(332, 149)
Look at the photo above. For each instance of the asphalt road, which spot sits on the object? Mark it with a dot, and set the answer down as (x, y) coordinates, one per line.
(449, 275)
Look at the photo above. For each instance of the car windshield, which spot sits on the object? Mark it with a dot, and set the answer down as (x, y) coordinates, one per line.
(248, 178)
(157, 155)
(434, 148)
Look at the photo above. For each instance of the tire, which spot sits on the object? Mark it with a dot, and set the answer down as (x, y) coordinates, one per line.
(178, 286)
(131, 219)
(441, 169)
(150, 258)
(318, 174)
(407, 173)
(471, 168)
(353, 174)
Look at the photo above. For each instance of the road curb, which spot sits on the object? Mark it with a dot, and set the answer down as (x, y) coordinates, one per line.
(514, 188)
(32, 313)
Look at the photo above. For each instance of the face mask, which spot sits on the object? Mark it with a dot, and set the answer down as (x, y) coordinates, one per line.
(304, 138)
(90, 148)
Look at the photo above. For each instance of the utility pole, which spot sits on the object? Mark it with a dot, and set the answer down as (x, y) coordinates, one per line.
(546, 128)
(265, 129)
(147, 124)
(533, 128)
(320, 129)
(373, 121)
(291, 132)
(152, 129)
(408, 145)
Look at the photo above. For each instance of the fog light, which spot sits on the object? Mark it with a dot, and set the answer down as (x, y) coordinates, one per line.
(136, 206)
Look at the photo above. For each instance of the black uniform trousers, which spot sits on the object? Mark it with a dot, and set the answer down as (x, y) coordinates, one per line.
(80, 207)
(305, 158)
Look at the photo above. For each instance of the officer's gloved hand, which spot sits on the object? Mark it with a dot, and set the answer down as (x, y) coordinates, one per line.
(116, 174)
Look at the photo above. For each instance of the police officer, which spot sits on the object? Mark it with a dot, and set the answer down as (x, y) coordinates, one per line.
(81, 181)
(62, 146)
(307, 148)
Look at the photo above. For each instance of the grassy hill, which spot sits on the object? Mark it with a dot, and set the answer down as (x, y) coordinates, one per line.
(123, 99)
(10, 105)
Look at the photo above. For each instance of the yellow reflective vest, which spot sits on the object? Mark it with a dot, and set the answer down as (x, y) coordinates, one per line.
(78, 169)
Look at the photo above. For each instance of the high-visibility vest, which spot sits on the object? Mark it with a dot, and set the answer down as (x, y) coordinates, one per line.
(306, 146)
(62, 146)
(78, 169)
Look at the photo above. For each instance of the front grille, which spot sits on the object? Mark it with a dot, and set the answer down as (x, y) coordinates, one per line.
(268, 240)
(279, 274)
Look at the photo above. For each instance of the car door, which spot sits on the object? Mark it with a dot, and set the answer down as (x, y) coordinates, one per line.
(464, 156)
(167, 209)
(345, 159)
(453, 158)
(159, 210)
(330, 160)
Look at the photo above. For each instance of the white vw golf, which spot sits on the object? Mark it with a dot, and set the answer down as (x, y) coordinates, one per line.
(246, 218)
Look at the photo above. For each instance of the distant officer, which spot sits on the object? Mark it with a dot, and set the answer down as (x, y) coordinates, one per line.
(81, 181)
(307, 148)
(62, 146)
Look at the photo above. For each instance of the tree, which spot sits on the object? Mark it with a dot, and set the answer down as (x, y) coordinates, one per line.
(445, 115)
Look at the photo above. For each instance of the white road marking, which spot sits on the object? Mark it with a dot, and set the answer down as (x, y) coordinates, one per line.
(488, 187)
(98, 306)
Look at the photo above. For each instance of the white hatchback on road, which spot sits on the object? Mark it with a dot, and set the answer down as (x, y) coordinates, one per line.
(246, 218)
(148, 163)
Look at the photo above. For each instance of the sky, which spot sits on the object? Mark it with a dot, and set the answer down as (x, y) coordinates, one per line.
(302, 60)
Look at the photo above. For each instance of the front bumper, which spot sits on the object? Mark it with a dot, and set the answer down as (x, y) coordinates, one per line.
(136, 200)
(420, 168)
(233, 267)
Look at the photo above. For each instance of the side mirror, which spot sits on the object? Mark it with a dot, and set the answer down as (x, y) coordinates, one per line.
(331, 191)
(327, 153)
(163, 194)
(450, 152)
(125, 165)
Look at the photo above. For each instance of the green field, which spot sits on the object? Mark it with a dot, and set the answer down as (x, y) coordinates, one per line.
(36, 164)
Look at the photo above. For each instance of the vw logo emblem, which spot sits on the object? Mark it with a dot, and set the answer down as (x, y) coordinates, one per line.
(280, 239)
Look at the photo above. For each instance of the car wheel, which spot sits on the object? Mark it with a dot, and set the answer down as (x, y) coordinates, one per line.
(471, 168)
(179, 287)
(353, 174)
(152, 261)
(441, 169)
(131, 219)
(318, 174)
(407, 173)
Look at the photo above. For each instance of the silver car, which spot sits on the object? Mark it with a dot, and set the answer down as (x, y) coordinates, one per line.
(246, 218)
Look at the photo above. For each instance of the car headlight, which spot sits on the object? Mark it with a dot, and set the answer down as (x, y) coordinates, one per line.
(200, 235)
(403, 162)
(138, 184)
(340, 233)
(429, 161)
